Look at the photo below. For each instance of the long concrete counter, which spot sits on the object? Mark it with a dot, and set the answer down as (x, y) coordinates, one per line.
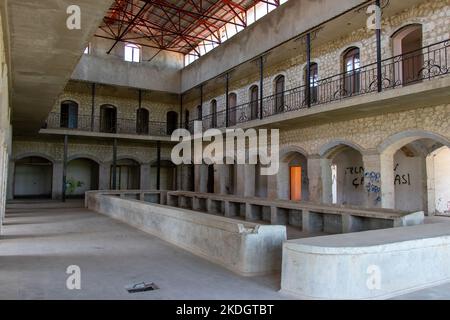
(243, 247)
(367, 265)
(310, 217)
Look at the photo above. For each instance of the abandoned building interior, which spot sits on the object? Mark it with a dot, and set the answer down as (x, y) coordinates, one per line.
(364, 148)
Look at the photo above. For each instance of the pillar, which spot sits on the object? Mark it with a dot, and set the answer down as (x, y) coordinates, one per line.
(10, 188)
(105, 176)
(57, 180)
(145, 176)
(372, 180)
(387, 181)
(249, 180)
(315, 179)
(326, 177)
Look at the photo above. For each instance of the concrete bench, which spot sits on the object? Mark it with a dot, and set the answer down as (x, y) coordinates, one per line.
(367, 265)
(246, 248)
(310, 217)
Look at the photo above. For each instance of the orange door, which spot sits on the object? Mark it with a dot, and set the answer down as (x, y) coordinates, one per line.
(296, 183)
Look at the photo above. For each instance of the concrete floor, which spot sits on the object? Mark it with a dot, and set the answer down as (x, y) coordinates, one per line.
(40, 240)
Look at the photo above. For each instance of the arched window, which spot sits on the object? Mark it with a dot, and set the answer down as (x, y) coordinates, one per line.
(214, 114)
(313, 81)
(172, 122)
(254, 102)
(108, 119)
(352, 76)
(69, 115)
(279, 93)
(232, 103)
(142, 121)
(407, 44)
(132, 53)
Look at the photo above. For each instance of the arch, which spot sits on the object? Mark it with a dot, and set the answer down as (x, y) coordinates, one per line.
(408, 174)
(130, 157)
(84, 156)
(284, 151)
(253, 93)
(35, 154)
(172, 122)
(69, 114)
(407, 43)
(329, 148)
(292, 177)
(351, 64)
(142, 121)
(232, 104)
(279, 89)
(108, 118)
(83, 174)
(33, 177)
(399, 139)
(128, 174)
(313, 81)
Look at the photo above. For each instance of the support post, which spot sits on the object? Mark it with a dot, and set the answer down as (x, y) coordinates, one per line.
(114, 165)
(139, 120)
(64, 177)
(93, 108)
(308, 70)
(227, 100)
(261, 86)
(158, 166)
(378, 35)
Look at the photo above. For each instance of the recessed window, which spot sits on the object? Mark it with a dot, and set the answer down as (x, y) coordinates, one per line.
(132, 53)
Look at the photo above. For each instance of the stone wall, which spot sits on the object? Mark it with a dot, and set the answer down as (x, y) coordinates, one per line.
(433, 15)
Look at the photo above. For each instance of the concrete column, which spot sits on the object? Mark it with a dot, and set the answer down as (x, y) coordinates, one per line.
(387, 181)
(272, 192)
(57, 180)
(145, 176)
(327, 190)
(201, 178)
(239, 180)
(372, 180)
(315, 179)
(10, 188)
(249, 180)
(105, 176)
(350, 224)
(431, 185)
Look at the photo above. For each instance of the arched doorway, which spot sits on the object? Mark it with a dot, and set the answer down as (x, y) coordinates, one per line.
(82, 176)
(292, 178)
(168, 175)
(232, 112)
(279, 93)
(33, 178)
(108, 119)
(128, 175)
(172, 122)
(69, 115)
(407, 45)
(417, 174)
(352, 73)
(343, 176)
(254, 102)
(142, 121)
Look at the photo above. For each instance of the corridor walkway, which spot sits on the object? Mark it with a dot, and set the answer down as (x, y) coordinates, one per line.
(42, 239)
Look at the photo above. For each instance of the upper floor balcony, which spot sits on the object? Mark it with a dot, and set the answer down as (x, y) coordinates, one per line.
(398, 72)
(108, 125)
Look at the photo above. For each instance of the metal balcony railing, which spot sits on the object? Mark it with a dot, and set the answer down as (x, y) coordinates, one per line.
(399, 71)
(119, 126)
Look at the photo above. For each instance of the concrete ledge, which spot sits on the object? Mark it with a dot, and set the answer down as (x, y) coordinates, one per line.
(246, 248)
(344, 266)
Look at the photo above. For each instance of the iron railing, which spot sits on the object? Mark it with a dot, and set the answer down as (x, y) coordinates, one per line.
(119, 126)
(413, 67)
